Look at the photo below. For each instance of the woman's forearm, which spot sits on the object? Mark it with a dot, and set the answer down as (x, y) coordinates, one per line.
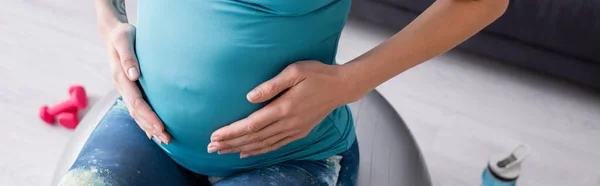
(110, 13)
(441, 27)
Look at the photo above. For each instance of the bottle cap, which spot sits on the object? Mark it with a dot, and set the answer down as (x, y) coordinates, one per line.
(509, 167)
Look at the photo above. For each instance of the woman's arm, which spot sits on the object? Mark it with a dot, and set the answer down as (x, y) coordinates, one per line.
(109, 14)
(304, 93)
(441, 27)
(119, 36)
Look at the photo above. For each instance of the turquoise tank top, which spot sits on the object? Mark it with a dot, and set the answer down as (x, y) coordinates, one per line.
(199, 59)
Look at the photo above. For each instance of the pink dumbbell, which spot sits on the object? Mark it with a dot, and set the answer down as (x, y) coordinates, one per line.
(68, 119)
(78, 100)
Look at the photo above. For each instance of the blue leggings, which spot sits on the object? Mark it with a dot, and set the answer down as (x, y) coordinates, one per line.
(119, 153)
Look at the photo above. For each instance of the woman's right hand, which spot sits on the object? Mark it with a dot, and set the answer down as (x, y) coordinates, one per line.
(125, 71)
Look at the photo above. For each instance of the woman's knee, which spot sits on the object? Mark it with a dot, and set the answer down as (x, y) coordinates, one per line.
(88, 176)
(112, 151)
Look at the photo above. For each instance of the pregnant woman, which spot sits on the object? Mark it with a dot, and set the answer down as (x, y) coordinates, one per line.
(247, 92)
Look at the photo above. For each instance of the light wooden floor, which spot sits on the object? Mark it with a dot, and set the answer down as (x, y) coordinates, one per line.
(461, 108)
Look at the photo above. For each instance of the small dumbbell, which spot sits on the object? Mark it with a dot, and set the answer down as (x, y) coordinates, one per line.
(77, 100)
(68, 119)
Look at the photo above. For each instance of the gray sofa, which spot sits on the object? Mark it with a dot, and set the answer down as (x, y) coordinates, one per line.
(558, 37)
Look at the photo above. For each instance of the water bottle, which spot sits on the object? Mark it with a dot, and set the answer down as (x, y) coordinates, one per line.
(504, 170)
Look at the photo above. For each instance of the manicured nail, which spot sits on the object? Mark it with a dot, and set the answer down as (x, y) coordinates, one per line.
(133, 73)
(216, 138)
(242, 156)
(163, 139)
(212, 149)
(253, 95)
(157, 139)
(225, 151)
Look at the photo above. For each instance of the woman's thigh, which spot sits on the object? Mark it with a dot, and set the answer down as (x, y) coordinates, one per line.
(338, 170)
(119, 153)
(350, 161)
(321, 172)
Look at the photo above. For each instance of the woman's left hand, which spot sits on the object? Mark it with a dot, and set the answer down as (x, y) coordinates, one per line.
(308, 91)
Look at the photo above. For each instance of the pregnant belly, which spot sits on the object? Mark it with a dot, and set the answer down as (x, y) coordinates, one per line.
(199, 86)
(198, 63)
(193, 108)
(196, 94)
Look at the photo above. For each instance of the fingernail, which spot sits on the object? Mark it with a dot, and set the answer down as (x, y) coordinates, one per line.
(242, 156)
(212, 149)
(133, 73)
(224, 151)
(253, 95)
(215, 138)
(157, 139)
(163, 139)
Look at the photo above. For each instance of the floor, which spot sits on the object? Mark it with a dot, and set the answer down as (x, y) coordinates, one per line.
(461, 108)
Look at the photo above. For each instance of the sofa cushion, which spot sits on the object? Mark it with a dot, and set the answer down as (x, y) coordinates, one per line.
(570, 27)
